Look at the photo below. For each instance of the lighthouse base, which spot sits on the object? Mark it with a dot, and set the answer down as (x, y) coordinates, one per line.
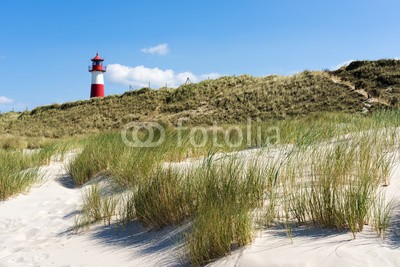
(97, 90)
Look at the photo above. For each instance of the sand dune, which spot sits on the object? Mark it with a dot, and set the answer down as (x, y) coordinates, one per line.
(321, 247)
(35, 230)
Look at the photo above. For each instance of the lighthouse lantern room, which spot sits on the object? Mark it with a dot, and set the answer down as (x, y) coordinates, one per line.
(97, 69)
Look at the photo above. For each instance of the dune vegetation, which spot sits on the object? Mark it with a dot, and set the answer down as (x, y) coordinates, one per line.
(325, 171)
(380, 79)
(20, 167)
(15, 176)
(227, 100)
(313, 149)
(19, 170)
(362, 86)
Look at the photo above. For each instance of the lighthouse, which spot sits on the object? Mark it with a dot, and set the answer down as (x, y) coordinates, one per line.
(97, 69)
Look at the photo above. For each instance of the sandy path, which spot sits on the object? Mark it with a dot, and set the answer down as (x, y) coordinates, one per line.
(35, 231)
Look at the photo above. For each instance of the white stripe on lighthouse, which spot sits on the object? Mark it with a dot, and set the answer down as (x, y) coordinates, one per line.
(97, 77)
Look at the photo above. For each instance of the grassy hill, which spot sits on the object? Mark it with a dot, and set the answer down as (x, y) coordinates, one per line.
(357, 87)
(380, 78)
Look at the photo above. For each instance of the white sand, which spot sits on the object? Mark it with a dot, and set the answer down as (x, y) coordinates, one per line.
(321, 247)
(35, 231)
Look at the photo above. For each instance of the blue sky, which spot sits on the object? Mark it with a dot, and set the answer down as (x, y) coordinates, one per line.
(46, 46)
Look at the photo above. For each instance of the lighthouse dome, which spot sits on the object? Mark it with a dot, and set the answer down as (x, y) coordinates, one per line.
(97, 58)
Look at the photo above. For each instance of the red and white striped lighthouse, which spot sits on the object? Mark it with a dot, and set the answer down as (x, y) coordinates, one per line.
(97, 69)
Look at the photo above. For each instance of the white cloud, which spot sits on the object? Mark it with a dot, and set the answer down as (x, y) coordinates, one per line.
(343, 64)
(161, 49)
(140, 76)
(5, 100)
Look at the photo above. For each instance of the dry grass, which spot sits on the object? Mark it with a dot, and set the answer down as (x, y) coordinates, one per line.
(380, 78)
(225, 100)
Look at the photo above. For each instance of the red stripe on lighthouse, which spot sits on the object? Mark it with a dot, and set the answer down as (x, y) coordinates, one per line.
(97, 90)
(97, 69)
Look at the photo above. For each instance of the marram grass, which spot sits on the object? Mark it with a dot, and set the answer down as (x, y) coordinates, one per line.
(328, 173)
(18, 172)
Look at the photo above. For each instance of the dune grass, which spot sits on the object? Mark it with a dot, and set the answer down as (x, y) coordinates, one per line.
(226, 194)
(326, 171)
(19, 167)
(19, 170)
(96, 207)
(336, 185)
(107, 154)
(16, 173)
(380, 78)
(164, 198)
(97, 154)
